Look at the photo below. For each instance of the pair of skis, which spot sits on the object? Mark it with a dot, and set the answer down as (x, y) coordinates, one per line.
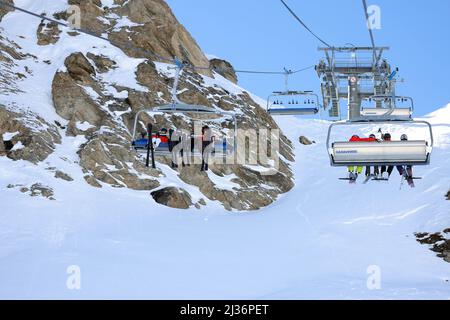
(375, 178)
(408, 179)
(367, 179)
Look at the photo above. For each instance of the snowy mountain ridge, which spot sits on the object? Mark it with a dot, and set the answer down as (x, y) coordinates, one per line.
(80, 86)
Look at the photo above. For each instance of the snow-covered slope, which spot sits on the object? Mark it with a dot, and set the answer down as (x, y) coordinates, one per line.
(317, 241)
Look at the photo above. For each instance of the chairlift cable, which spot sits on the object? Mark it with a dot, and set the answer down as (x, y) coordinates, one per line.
(369, 27)
(87, 32)
(303, 24)
(139, 50)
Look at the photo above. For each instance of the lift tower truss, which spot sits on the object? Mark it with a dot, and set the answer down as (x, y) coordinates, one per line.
(353, 74)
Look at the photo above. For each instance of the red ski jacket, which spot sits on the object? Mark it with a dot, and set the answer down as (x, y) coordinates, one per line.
(357, 139)
(164, 139)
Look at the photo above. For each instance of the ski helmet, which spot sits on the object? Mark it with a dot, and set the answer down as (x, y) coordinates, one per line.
(404, 137)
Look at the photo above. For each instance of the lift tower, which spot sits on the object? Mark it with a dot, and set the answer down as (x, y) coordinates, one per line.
(353, 74)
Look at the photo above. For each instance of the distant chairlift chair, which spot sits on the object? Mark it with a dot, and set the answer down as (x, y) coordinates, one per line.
(293, 103)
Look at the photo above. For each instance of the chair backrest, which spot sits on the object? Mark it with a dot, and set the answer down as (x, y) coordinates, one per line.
(377, 112)
(293, 111)
(380, 153)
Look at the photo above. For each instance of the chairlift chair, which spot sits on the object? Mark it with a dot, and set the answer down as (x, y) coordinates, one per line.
(147, 145)
(392, 153)
(293, 103)
(392, 112)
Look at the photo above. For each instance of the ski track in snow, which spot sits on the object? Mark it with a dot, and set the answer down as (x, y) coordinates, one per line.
(316, 242)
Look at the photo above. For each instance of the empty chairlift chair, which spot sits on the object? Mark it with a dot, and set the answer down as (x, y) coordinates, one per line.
(390, 109)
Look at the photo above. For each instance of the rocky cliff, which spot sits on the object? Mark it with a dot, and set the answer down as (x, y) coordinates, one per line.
(59, 83)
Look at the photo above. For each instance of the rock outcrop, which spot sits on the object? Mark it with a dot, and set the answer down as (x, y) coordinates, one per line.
(305, 141)
(438, 242)
(48, 33)
(71, 99)
(154, 28)
(173, 197)
(31, 137)
(102, 110)
(225, 69)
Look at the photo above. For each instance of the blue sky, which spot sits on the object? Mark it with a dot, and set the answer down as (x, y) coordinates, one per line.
(261, 35)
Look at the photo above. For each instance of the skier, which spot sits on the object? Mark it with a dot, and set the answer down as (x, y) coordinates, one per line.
(352, 174)
(372, 138)
(157, 138)
(406, 171)
(207, 146)
(386, 171)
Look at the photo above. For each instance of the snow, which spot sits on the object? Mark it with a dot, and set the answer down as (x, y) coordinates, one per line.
(7, 136)
(317, 241)
(125, 22)
(440, 116)
(225, 182)
(84, 126)
(91, 92)
(109, 4)
(211, 57)
(18, 146)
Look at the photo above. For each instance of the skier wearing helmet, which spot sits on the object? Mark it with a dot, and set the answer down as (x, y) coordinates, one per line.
(386, 171)
(372, 138)
(352, 174)
(406, 171)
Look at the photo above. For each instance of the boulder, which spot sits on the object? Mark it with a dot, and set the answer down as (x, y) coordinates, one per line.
(224, 68)
(173, 197)
(79, 68)
(305, 141)
(64, 176)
